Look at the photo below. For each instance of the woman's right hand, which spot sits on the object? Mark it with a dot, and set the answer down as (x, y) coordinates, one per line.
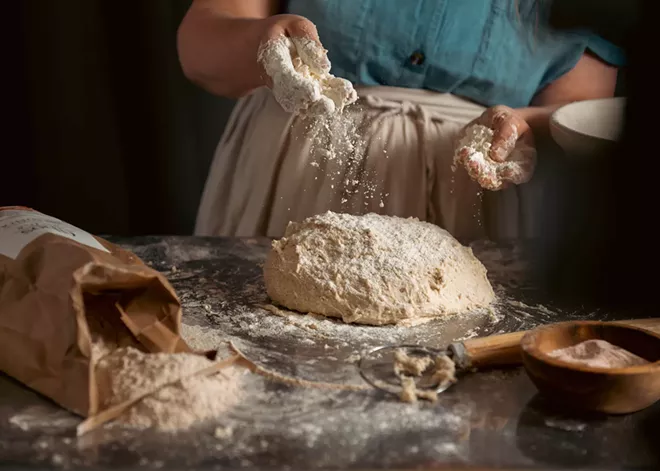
(301, 31)
(218, 46)
(294, 26)
(297, 68)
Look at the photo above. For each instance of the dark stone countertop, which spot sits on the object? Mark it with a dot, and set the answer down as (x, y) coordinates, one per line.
(488, 420)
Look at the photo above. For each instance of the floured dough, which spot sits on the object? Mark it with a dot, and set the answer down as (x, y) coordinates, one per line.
(374, 269)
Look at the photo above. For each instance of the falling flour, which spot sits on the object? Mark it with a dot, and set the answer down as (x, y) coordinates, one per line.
(300, 72)
(302, 84)
(340, 152)
(598, 354)
(178, 398)
(473, 152)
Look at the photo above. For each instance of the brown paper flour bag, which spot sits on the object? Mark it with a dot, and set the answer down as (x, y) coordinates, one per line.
(54, 280)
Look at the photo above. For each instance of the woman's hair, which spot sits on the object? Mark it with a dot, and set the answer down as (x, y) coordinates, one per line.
(536, 7)
(529, 17)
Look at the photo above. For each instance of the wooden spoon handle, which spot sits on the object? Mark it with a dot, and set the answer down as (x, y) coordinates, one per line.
(496, 350)
(504, 350)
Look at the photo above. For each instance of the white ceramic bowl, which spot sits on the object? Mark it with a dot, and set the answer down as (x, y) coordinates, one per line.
(588, 127)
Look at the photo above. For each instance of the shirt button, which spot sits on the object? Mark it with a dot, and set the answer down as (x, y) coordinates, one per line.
(417, 58)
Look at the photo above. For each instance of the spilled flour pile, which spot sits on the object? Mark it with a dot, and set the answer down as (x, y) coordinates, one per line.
(302, 83)
(374, 270)
(473, 152)
(179, 398)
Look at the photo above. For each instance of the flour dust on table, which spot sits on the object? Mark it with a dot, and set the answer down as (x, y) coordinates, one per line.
(374, 269)
(225, 303)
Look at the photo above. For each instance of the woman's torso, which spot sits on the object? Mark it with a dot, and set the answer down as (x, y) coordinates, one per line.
(490, 51)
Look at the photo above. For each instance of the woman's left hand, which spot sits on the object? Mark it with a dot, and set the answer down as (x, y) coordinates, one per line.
(512, 155)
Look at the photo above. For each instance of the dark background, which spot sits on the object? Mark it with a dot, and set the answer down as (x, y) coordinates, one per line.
(113, 137)
(110, 135)
(607, 251)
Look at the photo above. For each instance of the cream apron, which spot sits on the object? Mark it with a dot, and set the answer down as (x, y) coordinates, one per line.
(269, 169)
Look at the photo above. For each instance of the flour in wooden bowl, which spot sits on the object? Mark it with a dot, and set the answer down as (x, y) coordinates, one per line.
(596, 353)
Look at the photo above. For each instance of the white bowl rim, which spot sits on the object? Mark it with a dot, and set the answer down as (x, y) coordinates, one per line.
(556, 115)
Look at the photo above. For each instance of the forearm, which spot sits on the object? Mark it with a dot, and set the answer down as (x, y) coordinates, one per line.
(218, 42)
(589, 79)
(538, 118)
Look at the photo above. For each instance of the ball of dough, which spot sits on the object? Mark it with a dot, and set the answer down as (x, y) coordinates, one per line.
(374, 269)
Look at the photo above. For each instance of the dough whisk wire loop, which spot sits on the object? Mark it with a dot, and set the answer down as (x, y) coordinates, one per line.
(377, 367)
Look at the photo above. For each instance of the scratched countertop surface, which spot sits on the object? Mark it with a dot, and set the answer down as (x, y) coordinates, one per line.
(488, 420)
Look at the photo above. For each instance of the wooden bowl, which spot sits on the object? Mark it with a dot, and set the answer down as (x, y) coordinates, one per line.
(613, 390)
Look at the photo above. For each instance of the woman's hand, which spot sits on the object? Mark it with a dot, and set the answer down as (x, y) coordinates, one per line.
(218, 43)
(502, 154)
(510, 131)
(292, 56)
(298, 69)
(298, 27)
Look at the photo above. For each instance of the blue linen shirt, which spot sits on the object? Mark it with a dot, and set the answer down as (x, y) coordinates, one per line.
(490, 51)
